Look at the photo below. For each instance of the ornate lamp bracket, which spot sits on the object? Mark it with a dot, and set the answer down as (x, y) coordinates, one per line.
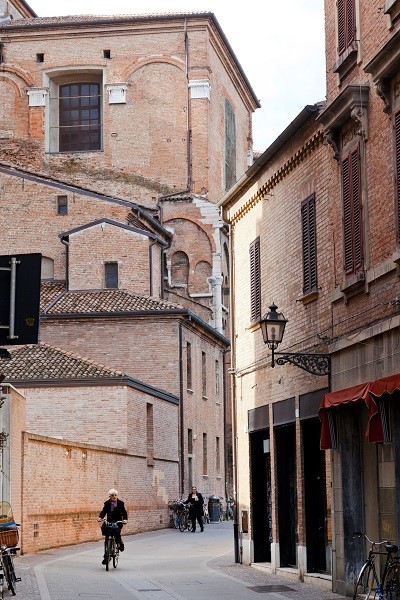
(316, 364)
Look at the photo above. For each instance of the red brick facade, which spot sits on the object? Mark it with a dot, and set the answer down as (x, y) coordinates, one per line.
(142, 199)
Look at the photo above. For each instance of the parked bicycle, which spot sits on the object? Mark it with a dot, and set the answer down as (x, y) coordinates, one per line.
(8, 548)
(369, 585)
(111, 550)
(185, 522)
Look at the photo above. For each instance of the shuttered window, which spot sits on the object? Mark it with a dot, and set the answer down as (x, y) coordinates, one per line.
(352, 213)
(346, 24)
(230, 145)
(309, 237)
(397, 140)
(255, 281)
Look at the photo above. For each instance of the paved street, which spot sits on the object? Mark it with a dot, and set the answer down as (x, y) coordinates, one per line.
(162, 565)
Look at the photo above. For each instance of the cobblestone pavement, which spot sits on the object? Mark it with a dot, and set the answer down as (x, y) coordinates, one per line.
(33, 568)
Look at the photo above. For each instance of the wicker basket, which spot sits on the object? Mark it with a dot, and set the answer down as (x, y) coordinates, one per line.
(9, 537)
(108, 528)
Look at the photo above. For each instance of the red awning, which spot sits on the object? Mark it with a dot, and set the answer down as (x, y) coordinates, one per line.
(365, 391)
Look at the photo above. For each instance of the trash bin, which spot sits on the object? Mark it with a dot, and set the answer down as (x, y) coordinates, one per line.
(214, 509)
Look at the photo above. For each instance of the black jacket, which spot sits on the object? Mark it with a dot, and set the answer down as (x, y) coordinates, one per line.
(118, 514)
(195, 506)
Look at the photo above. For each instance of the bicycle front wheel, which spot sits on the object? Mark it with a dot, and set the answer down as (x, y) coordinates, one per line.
(182, 523)
(9, 572)
(391, 585)
(115, 554)
(107, 551)
(367, 583)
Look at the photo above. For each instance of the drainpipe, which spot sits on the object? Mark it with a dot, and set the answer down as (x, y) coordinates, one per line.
(66, 244)
(151, 266)
(181, 416)
(188, 114)
(238, 548)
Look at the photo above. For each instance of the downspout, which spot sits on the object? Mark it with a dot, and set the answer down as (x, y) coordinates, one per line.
(188, 115)
(151, 266)
(181, 416)
(238, 548)
(66, 244)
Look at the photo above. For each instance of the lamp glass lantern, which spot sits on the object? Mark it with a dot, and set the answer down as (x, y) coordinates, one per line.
(273, 326)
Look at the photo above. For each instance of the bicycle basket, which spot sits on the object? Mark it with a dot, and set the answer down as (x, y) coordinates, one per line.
(108, 528)
(8, 537)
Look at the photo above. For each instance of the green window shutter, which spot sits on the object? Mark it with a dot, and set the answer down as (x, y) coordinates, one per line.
(255, 281)
(309, 239)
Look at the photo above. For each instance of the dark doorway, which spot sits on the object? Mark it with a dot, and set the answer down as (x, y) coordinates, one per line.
(285, 439)
(261, 495)
(314, 497)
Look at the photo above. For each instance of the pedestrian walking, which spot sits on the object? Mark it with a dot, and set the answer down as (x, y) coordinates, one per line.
(196, 512)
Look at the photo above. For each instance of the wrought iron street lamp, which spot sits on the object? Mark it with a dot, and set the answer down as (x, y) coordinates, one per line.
(273, 327)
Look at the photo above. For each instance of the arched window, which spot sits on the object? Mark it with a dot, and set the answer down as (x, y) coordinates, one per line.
(199, 283)
(179, 268)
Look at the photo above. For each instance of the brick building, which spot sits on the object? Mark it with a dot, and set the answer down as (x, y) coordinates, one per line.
(361, 122)
(277, 212)
(118, 135)
(315, 229)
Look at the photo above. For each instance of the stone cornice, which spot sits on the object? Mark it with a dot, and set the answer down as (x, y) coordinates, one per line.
(297, 158)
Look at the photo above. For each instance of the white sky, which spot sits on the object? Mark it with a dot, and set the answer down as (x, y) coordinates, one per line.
(280, 46)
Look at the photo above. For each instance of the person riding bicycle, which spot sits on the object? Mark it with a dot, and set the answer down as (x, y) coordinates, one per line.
(114, 510)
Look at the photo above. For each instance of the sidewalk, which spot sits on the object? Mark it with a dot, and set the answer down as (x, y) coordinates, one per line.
(166, 565)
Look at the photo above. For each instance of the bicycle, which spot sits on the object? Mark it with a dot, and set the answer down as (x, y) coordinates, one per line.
(185, 522)
(8, 548)
(111, 550)
(368, 585)
(178, 510)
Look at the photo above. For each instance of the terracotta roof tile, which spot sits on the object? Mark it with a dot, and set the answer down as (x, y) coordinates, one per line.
(105, 301)
(40, 361)
(49, 290)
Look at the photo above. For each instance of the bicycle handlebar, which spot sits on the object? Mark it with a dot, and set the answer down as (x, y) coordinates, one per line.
(124, 522)
(360, 534)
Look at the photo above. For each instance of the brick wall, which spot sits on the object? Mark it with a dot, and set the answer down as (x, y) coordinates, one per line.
(61, 505)
(145, 140)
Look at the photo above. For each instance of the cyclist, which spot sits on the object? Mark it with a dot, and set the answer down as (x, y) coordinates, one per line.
(114, 510)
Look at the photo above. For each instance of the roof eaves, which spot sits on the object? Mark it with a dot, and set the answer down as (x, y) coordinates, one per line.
(107, 315)
(123, 380)
(113, 223)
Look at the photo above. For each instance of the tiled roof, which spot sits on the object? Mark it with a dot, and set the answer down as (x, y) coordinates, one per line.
(40, 361)
(96, 18)
(49, 290)
(105, 301)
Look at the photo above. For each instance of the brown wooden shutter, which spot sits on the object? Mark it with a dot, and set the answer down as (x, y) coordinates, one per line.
(357, 210)
(350, 22)
(352, 213)
(255, 281)
(397, 158)
(341, 26)
(309, 237)
(346, 11)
